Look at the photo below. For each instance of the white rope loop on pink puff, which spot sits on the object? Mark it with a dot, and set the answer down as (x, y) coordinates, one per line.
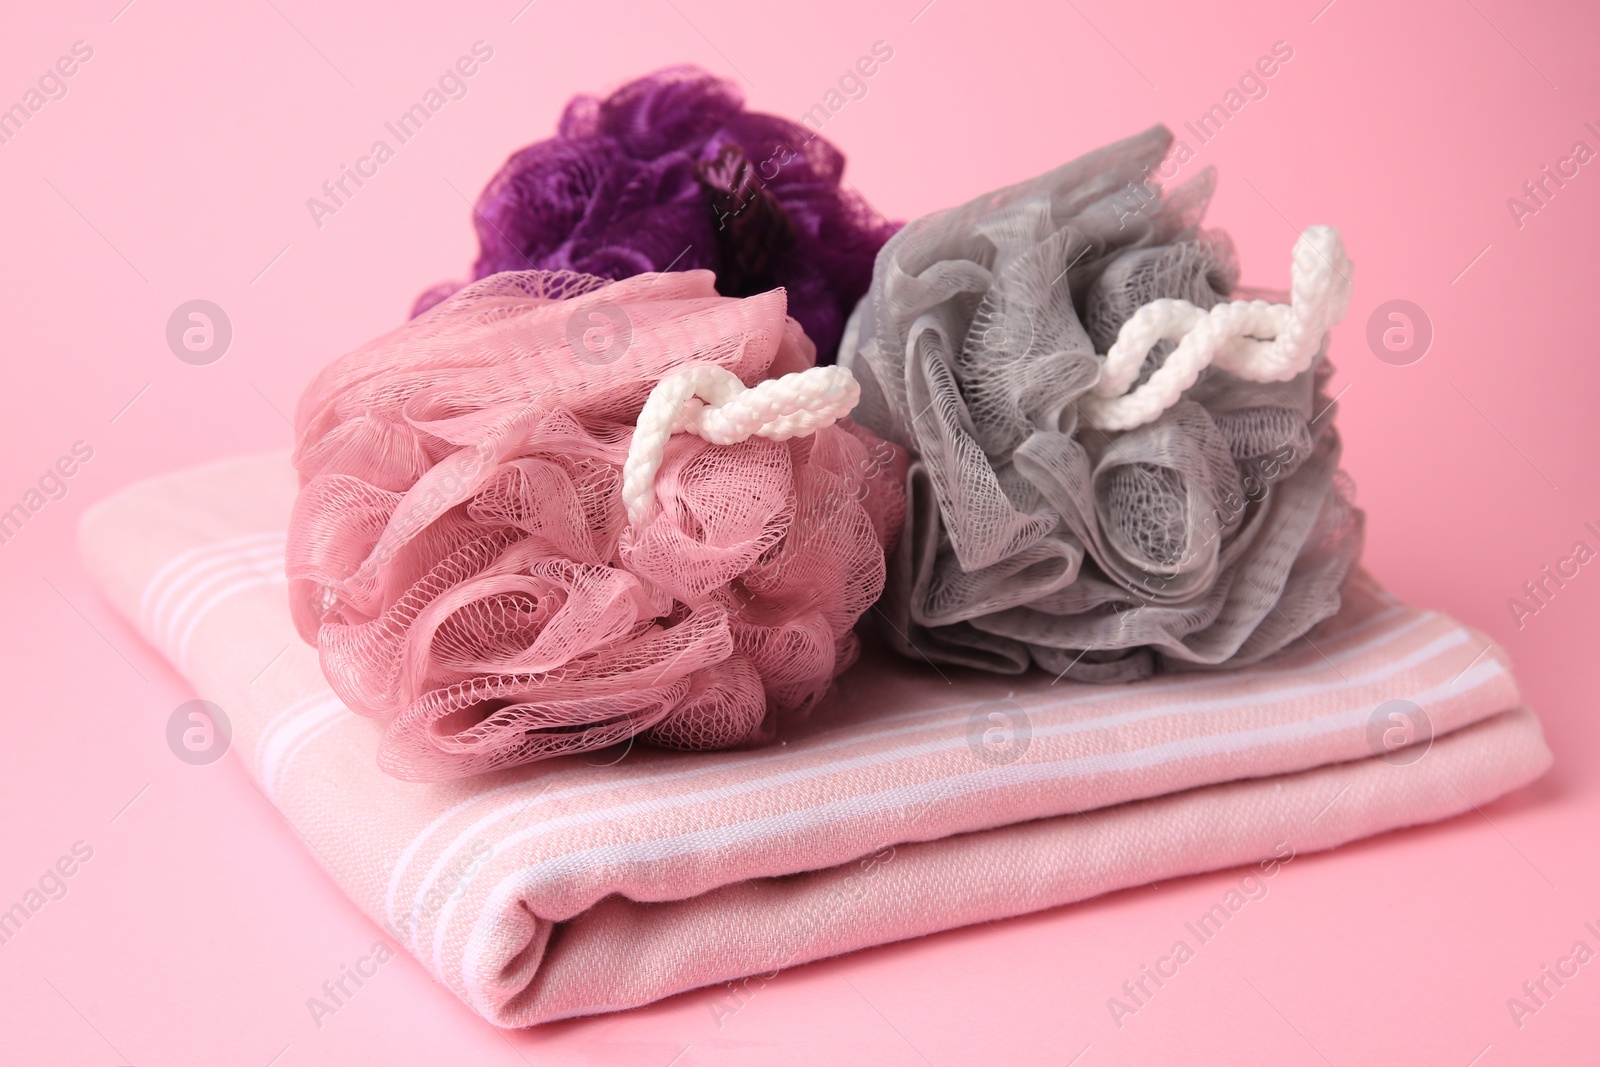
(712, 403)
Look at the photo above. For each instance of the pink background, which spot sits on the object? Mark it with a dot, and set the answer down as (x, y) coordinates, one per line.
(178, 166)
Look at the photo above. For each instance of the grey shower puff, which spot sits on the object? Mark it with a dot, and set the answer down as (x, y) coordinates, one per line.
(1213, 536)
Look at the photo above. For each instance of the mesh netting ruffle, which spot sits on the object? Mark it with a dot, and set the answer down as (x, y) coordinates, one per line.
(460, 553)
(671, 173)
(1212, 536)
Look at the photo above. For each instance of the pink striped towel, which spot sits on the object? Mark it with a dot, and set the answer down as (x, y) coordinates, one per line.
(913, 801)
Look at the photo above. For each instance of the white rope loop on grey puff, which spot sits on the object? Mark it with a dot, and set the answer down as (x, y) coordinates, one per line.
(1249, 339)
(711, 402)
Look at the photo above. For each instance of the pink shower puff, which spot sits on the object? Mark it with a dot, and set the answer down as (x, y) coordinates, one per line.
(461, 556)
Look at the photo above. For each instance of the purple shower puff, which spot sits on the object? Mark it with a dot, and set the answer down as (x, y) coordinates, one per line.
(670, 171)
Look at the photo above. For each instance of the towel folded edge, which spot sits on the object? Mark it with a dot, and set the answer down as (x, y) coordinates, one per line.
(753, 930)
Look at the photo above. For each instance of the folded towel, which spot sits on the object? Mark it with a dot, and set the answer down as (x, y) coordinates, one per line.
(917, 798)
